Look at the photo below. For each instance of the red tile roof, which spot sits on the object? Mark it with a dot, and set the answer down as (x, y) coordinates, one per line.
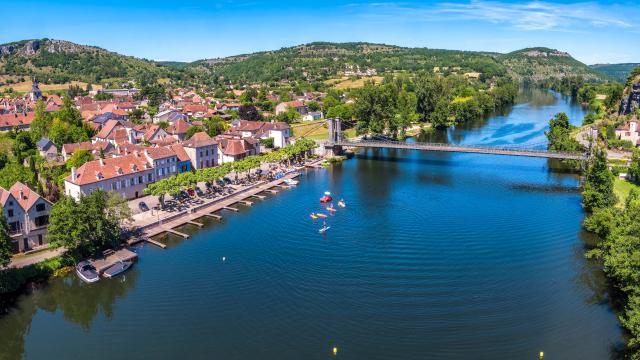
(17, 119)
(180, 153)
(110, 168)
(199, 139)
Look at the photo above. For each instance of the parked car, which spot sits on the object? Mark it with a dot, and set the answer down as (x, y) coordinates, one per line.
(227, 180)
(191, 192)
(199, 191)
(143, 206)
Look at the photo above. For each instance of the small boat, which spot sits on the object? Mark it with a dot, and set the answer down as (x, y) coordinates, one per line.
(324, 228)
(320, 215)
(342, 204)
(331, 208)
(117, 268)
(87, 272)
(291, 182)
(313, 216)
(325, 199)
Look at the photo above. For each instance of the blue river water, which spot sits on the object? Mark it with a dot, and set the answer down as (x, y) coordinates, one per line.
(436, 256)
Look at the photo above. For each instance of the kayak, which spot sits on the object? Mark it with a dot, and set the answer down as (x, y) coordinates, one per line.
(321, 215)
(342, 204)
(313, 216)
(331, 209)
(324, 229)
(325, 199)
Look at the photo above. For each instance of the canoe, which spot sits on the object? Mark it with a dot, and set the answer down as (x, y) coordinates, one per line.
(321, 215)
(324, 229)
(313, 216)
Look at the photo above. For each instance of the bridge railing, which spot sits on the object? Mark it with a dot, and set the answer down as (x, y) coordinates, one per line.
(455, 146)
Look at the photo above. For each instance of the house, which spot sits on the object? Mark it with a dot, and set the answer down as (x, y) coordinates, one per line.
(27, 215)
(184, 162)
(127, 175)
(169, 116)
(116, 132)
(196, 110)
(312, 115)
(202, 150)
(236, 148)
(279, 131)
(300, 107)
(178, 129)
(47, 149)
(163, 160)
(230, 106)
(96, 148)
(21, 121)
(101, 119)
(629, 131)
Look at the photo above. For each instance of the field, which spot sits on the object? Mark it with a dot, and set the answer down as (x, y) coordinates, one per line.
(25, 86)
(622, 188)
(346, 83)
(316, 130)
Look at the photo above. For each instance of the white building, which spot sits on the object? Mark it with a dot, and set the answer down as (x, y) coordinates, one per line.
(127, 175)
(629, 131)
(27, 215)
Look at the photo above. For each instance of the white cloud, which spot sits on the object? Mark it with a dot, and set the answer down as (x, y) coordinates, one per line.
(527, 16)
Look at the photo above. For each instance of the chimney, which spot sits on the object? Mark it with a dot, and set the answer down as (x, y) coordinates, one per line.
(74, 174)
(21, 193)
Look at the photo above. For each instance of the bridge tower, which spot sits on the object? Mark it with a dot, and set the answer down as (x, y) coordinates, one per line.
(335, 136)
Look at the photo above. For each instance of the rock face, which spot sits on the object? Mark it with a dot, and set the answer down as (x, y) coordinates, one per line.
(30, 48)
(630, 103)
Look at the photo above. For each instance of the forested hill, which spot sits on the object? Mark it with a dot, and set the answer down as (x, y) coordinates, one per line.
(619, 72)
(320, 61)
(538, 64)
(59, 61)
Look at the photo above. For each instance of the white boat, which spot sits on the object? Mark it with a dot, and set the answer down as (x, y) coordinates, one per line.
(327, 193)
(117, 268)
(291, 182)
(87, 272)
(342, 204)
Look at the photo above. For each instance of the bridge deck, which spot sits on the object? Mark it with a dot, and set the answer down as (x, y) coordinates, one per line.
(463, 149)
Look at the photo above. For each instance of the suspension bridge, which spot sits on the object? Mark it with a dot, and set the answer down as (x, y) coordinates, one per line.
(336, 142)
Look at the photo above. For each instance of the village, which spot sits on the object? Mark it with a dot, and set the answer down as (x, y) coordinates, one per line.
(132, 148)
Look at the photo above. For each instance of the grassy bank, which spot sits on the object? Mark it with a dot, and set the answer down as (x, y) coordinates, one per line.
(13, 281)
(622, 188)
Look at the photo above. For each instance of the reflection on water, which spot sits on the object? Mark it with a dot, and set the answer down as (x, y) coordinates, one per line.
(77, 302)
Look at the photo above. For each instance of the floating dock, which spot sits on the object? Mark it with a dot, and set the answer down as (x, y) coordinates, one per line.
(231, 208)
(195, 223)
(217, 217)
(176, 232)
(110, 258)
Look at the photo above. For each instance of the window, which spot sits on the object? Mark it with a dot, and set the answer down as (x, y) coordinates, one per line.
(114, 186)
(149, 177)
(140, 179)
(10, 213)
(40, 207)
(41, 220)
(10, 203)
(123, 184)
(207, 152)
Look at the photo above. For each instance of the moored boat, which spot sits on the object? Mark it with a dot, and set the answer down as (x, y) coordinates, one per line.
(325, 199)
(87, 272)
(342, 204)
(324, 228)
(117, 268)
(313, 216)
(291, 182)
(331, 208)
(321, 215)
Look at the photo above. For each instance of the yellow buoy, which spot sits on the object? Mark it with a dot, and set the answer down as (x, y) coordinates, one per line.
(335, 351)
(541, 354)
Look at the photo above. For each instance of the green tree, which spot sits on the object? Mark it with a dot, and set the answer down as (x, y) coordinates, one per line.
(215, 126)
(78, 158)
(192, 130)
(6, 245)
(598, 189)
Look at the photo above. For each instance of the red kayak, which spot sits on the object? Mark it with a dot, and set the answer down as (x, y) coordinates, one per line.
(325, 199)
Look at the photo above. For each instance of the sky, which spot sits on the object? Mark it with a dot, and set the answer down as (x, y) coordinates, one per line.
(188, 30)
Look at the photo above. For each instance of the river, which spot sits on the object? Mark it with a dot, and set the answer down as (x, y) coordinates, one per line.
(437, 255)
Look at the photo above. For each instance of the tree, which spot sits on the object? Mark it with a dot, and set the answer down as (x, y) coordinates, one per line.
(405, 113)
(78, 158)
(6, 245)
(23, 146)
(559, 134)
(289, 116)
(41, 122)
(192, 130)
(215, 126)
(249, 112)
(89, 225)
(313, 106)
(598, 189)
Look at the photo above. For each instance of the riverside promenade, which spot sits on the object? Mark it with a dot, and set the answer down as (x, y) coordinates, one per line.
(160, 221)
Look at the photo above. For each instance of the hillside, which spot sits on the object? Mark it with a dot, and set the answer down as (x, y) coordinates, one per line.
(58, 61)
(538, 64)
(322, 61)
(618, 72)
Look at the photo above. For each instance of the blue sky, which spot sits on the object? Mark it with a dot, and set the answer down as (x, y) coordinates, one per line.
(187, 30)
